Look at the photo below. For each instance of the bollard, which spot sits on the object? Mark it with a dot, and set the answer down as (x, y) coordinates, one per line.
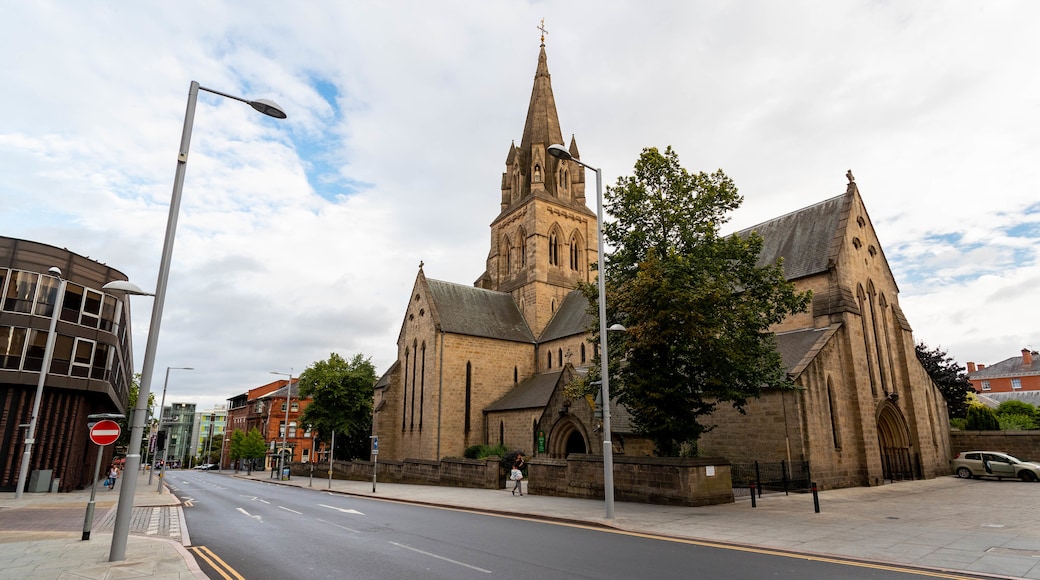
(815, 498)
(753, 504)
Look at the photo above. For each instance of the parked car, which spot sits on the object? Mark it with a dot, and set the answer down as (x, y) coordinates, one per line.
(206, 466)
(968, 464)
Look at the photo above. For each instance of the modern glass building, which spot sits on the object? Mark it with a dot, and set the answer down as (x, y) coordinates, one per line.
(91, 369)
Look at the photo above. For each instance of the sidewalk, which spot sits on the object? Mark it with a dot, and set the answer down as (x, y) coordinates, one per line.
(41, 536)
(976, 526)
(981, 527)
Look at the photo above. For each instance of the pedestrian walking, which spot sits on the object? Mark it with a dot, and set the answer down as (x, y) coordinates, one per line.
(517, 474)
(113, 475)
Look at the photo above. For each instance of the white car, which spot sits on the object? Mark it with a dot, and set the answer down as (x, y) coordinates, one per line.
(206, 466)
(969, 464)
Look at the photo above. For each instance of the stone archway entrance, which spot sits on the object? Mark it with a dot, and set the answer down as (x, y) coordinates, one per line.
(566, 437)
(897, 459)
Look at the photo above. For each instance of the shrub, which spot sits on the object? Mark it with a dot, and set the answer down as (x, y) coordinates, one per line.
(472, 451)
(981, 418)
(959, 423)
(1017, 422)
(482, 451)
(1013, 407)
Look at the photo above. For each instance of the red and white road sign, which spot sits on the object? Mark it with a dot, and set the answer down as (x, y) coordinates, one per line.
(104, 432)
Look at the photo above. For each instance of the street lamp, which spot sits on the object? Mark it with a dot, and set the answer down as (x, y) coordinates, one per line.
(121, 528)
(48, 354)
(561, 152)
(166, 442)
(285, 432)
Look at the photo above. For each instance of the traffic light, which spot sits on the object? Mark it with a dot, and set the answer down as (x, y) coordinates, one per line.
(160, 440)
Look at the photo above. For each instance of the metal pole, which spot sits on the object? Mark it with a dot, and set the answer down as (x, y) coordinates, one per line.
(285, 432)
(332, 452)
(162, 405)
(121, 528)
(88, 518)
(48, 355)
(608, 449)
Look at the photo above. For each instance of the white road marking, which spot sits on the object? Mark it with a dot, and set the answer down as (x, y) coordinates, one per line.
(257, 518)
(344, 510)
(463, 564)
(281, 507)
(339, 526)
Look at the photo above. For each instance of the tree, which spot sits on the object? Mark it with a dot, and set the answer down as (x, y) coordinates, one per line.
(951, 378)
(982, 418)
(235, 446)
(252, 447)
(124, 424)
(696, 305)
(341, 402)
(1016, 415)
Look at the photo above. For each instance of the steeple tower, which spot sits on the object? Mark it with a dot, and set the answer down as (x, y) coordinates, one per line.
(544, 237)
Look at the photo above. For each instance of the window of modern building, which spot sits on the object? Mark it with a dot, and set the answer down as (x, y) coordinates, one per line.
(82, 356)
(21, 291)
(47, 296)
(72, 303)
(1016, 383)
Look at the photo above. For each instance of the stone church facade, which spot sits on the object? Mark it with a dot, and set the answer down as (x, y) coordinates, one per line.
(486, 363)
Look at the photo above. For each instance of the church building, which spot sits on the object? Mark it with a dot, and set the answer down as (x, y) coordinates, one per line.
(486, 363)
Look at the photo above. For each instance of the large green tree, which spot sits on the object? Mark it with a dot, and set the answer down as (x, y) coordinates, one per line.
(252, 448)
(341, 402)
(696, 305)
(951, 378)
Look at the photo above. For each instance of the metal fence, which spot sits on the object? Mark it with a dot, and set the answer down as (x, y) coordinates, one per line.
(779, 476)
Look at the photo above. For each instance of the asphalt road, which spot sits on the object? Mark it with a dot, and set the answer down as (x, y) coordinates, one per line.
(259, 531)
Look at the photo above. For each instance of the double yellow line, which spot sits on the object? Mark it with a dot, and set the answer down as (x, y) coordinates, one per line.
(216, 563)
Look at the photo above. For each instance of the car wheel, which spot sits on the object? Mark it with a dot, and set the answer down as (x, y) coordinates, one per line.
(964, 472)
(1027, 476)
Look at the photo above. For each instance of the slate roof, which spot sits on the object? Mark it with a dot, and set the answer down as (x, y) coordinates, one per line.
(994, 400)
(1011, 367)
(803, 238)
(478, 312)
(571, 318)
(532, 393)
(280, 392)
(799, 347)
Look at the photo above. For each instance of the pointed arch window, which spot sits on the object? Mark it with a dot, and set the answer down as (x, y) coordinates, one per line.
(469, 393)
(583, 353)
(507, 247)
(559, 357)
(575, 247)
(835, 426)
(415, 364)
(548, 359)
(522, 242)
(554, 249)
(422, 383)
(404, 399)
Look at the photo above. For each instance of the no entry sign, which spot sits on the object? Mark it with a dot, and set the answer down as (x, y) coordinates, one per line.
(104, 432)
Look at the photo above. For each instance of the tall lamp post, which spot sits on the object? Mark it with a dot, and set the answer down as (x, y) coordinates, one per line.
(121, 527)
(166, 444)
(561, 152)
(285, 432)
(48, 355)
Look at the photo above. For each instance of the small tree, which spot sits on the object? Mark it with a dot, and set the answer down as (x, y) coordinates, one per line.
(951, 378)
(982, 418)
(1016, 415)
(235, 447)
(253, 448)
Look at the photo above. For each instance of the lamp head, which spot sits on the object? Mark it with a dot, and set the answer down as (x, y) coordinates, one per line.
(269, 108)
(125, 286)
(53, 271)
(559, 152)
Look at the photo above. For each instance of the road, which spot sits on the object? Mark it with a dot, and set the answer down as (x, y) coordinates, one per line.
(263, 530)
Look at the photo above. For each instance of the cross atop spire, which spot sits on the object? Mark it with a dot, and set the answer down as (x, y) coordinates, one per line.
(544, 31)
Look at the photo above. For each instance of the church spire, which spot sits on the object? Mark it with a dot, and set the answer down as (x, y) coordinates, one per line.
(543, 124)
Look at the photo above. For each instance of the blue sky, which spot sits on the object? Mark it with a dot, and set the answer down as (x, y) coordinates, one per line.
(302, 237)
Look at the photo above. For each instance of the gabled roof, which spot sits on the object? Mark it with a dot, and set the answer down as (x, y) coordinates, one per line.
(571, 318)
(1011, 367)
(384, 381)
(532, 393)
(799, 347)
(477, 312)
(803, 238)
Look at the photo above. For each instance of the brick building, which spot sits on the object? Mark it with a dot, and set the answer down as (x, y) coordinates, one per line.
(486, 364)
(1018, 373)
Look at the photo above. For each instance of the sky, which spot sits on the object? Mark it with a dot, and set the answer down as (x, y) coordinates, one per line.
(302, 237)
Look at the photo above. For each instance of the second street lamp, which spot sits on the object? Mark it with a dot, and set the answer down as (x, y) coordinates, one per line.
(285, 431)
(561, 152)
(166, 442)
(121, 527)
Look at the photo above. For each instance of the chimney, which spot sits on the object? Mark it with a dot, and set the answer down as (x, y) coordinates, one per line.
(1027, 357)
(981, 366)
(971, 367)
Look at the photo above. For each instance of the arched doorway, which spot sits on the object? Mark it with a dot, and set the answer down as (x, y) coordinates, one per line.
(897, 459)
(567, 436)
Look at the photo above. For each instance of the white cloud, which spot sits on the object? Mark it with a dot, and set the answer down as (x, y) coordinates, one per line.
(932, 105)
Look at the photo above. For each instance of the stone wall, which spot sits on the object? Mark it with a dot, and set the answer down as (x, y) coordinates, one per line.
(658, 480)
(1024, 445)
(479, 473)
